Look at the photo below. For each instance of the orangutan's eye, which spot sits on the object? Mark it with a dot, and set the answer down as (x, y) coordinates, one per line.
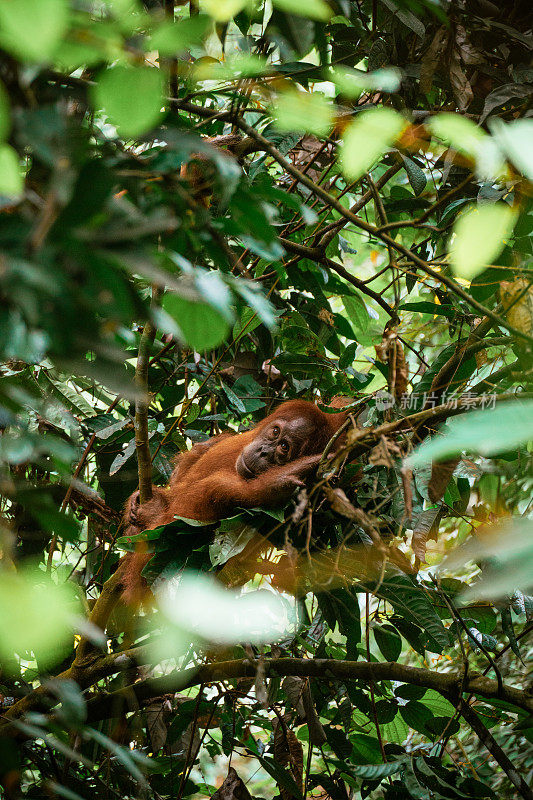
(276, 430)
(284, 446)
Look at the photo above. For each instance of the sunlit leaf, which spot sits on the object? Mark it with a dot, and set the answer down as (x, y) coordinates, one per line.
(223, 10)
(458, 131)
(121, 89)
(479, 236)
(31, 29)
(352, 82)
(211, 612)
(11, 180)
(487, 431)
(197, 323)
(516, 140)
(36, 616)
(303, 111)
(313, 9)
(366, 138)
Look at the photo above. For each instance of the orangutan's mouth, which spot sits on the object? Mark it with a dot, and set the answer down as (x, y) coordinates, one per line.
(243, 469)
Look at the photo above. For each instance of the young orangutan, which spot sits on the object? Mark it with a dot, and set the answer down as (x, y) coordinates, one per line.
(260, 467)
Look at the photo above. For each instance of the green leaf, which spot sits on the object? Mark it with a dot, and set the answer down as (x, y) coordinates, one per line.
(198, 324)
(411, 601)
(131, 97)
(416, 175)
(395, 731)
(425, 307)
(303, 111)
(479, 236)
(11, 180)
(487, 432)
(312, 9)
(375, 772)
(366, 139)
(416, 715)
(31, 29)
(388, 641)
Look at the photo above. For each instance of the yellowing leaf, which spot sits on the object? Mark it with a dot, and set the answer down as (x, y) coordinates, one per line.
(132, 98)
(31, 29)
(305, 112)
(367, 138)
(479, 236)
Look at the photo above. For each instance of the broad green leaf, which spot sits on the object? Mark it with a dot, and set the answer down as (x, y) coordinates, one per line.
(479, 236)
(11, 180)
(36, 616)
(374, 772)
(223, 10)
(303, 111)
(458, 131)
(5, 115)
(412, 602)
(132, 98)
(516, 140)
(366, 139)
(313, 9)
(32, 29)
(388, 641)
(395, 731)
(198, 323)
(352, 82)
(487, 432)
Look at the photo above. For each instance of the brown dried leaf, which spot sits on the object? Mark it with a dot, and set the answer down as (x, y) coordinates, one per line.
(431, 58)
(288, 751)
(293, 688)
(233, 788)
(517, 300)
(156, 724)
(470, 55)
(462, 91)
(440, 478)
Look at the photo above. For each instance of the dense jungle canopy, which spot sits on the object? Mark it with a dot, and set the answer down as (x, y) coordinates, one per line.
(208, 207)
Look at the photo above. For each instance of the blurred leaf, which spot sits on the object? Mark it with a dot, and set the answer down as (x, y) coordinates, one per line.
(515, 139)
(303, 111)
(11, 180)
(170, 38)
(5, 114)
(314, 9)
(367, 138)
(32, 30)
(486, 431)
(198, 324)
(479, 236)
(36, 616)
(116, 87)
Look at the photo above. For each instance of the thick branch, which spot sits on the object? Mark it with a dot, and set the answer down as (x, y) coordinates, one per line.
(102, 705)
